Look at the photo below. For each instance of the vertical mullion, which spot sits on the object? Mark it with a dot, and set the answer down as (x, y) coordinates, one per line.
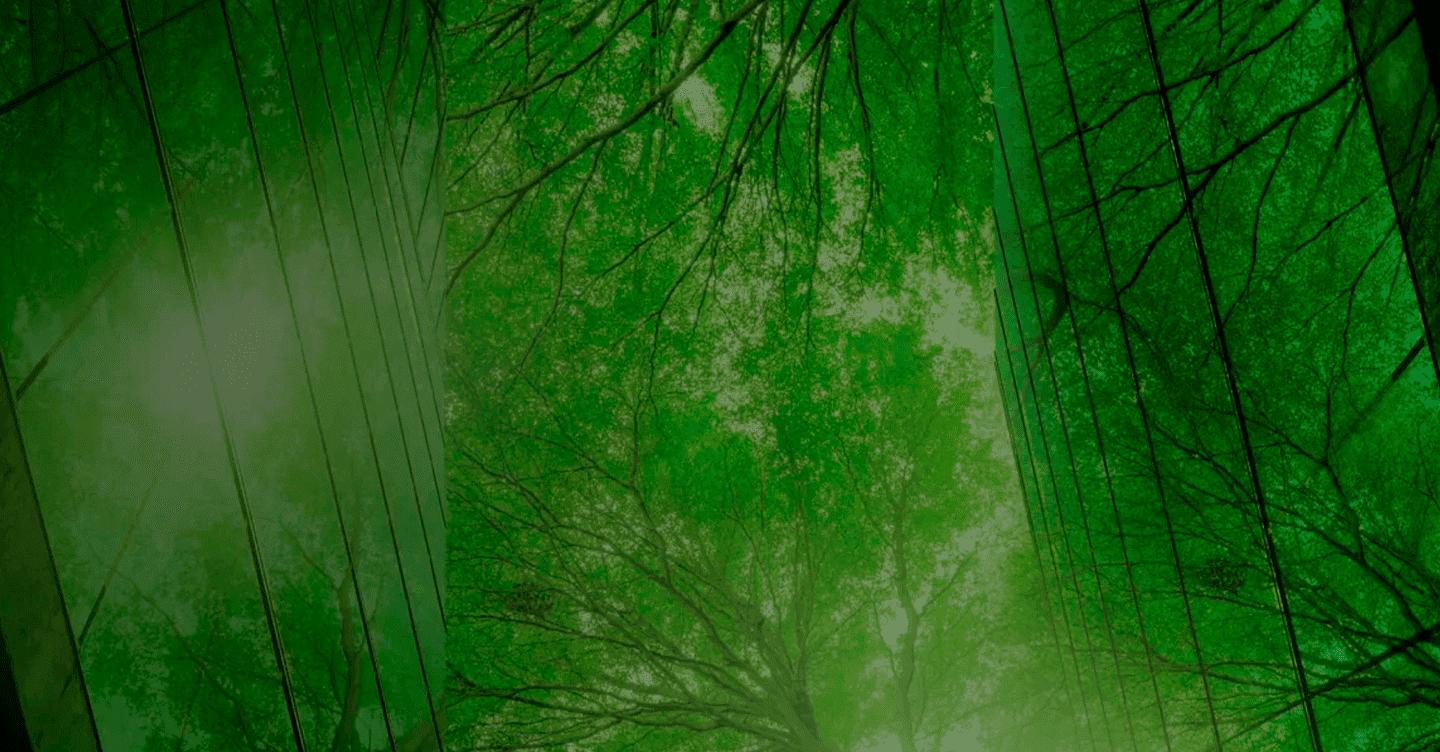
(1272, 554)
(370, 429)
(345, 323)
(1034, 537)
(237, 477)
(1049, 540)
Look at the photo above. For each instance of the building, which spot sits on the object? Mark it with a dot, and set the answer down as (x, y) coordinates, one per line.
(1219, 298)
(220, 288)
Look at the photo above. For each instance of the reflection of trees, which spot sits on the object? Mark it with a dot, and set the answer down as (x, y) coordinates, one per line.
(1361, 581)
(213, 154)
(224, 697)
(1233, 431)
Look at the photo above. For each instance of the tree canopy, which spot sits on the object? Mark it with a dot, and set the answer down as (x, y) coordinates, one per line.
(726, 459)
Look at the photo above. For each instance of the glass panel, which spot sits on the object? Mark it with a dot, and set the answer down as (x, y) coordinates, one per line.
(1230, 227)
(230, 411)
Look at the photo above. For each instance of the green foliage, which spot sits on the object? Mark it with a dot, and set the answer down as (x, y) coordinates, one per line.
(680, 404)
(1220, 423)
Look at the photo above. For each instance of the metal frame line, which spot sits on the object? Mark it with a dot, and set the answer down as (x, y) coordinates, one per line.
(1272, 553)
(1425, 322)
(1080, 351)
(1048, 353)
(379, 327)
(295, 319)
(1034, 538)
(61, 77)
(414, 307)
(1050, 543)
(1045, 443)
(344, 318)
(379, 471)
(237, 477)
(1145, 419)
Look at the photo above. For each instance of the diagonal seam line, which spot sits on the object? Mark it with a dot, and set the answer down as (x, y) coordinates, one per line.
(1048, 353)
(1030, 519)
(1272, 553)
(75, 321)
(236, 475)
(107, 52)
(370, 429)
(1035, 471)
(1427, 325)
(345, 323)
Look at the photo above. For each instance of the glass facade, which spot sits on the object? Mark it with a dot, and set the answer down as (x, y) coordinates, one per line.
(1218, 261)
(220, 289)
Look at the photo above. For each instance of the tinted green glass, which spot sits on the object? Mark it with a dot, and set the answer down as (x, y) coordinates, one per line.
(225, 363)
(1217, 245)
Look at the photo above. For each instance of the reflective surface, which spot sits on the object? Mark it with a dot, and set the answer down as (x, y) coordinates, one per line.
(1218, 251)
(225, 363)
